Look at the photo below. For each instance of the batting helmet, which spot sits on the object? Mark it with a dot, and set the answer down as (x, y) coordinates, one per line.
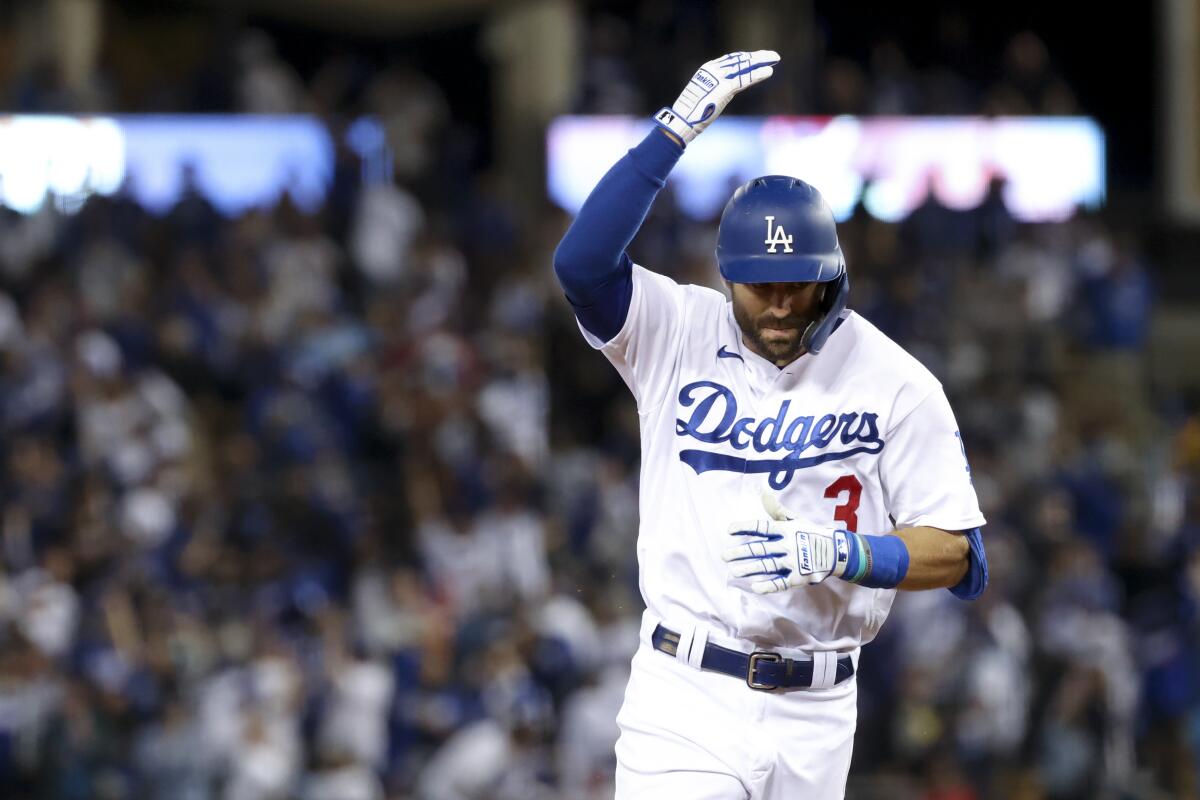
(778, 229)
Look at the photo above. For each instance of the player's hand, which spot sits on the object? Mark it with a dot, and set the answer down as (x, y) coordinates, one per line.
(782, 553)
(711, 89)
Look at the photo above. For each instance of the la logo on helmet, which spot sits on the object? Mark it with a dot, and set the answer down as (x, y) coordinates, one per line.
(776, 236)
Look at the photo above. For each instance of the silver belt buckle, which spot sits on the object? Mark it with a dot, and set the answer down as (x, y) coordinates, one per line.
(752, 669)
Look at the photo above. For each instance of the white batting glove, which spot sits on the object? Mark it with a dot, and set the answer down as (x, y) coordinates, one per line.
(783, 553)
(711, 89)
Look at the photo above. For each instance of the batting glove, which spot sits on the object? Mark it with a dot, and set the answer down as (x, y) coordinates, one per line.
(784, 553)
(711, 89)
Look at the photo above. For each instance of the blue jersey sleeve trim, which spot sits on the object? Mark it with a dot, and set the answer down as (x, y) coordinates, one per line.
(976, 579)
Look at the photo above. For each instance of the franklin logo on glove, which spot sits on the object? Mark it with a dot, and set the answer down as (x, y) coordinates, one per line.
(806, 561)
(705, 79)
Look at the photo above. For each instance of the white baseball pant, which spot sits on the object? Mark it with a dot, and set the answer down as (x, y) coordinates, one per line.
(701, 735)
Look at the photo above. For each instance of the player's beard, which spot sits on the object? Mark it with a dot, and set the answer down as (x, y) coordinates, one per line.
(779, 350)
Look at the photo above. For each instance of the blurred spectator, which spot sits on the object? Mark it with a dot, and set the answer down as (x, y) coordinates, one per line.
(503, 756)
(894, 89)
(266, 84)
(1030, 84)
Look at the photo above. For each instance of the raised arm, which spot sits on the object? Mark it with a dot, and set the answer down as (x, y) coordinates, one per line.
(590, 261)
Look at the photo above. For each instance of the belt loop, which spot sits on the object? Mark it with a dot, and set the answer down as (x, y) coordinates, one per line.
(699, 642)
(649, 623)
(684, 648)
(824, 669)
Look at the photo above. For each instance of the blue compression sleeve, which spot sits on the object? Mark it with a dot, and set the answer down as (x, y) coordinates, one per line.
(590, 261)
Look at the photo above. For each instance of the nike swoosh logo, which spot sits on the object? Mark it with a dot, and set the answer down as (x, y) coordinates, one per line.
(723, 353)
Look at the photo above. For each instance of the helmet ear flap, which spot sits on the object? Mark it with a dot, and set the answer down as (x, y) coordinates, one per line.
(833, 303)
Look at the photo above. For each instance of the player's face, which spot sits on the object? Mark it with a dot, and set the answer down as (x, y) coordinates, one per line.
(773, 316)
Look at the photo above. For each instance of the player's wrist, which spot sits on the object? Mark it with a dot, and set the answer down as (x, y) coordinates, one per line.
(875, 562)
(673, 124)
(849, 560)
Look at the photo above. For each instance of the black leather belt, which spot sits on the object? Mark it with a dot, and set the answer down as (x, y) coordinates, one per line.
(761, 670)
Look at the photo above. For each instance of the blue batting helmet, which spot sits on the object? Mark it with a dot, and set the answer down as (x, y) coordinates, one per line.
(778, 229)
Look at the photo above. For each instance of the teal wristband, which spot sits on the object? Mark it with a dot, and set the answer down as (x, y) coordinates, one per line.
(860, 560)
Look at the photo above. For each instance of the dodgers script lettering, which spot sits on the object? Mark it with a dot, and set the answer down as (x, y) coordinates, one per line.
(714, 420)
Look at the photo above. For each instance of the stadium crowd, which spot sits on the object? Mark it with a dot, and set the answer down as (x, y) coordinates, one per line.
(339, 506)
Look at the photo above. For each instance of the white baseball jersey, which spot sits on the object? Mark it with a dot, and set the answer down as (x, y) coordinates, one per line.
(860, 436)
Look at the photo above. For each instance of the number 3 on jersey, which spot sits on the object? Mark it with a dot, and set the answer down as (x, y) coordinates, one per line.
(846, 512)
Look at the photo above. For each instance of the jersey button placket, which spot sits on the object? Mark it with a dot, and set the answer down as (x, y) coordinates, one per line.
(749, 488)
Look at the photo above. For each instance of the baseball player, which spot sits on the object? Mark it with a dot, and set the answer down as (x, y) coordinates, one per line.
(798, 467)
